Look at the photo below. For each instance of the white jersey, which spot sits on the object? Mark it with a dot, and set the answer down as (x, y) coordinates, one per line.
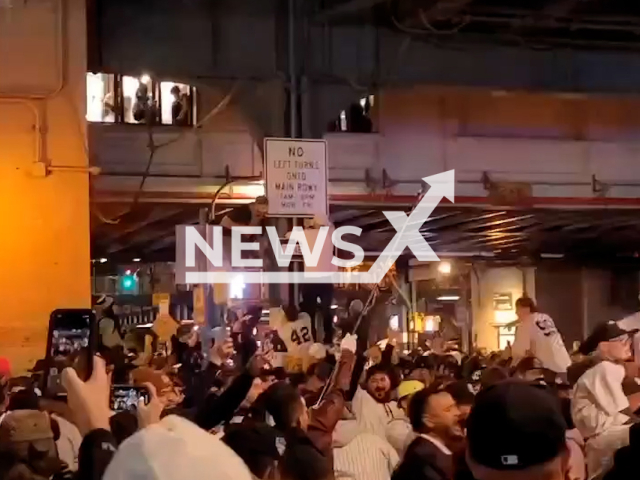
(538, 336)
(296, 335)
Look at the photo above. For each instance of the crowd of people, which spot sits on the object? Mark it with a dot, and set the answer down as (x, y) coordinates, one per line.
(351, 411)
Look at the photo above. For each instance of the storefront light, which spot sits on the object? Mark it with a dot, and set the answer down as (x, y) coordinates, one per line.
(444, 267)
(237, 287)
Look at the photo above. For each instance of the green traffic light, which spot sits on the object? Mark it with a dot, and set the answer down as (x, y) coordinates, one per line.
(128, 282)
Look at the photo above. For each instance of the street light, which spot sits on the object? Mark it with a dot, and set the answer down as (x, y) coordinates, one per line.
(444, 267)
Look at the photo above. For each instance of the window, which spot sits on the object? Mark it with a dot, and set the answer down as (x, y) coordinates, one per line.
(101, 105)
(357, 118)
(138, 99)
(131, 99)
(176, 100)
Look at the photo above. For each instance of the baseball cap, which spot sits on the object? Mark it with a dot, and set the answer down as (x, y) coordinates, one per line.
(195, 454)
(603, 333)
(409, 387)
(515, 425)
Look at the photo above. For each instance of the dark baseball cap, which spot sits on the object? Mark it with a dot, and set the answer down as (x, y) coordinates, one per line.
(515, 425)
(603, 333)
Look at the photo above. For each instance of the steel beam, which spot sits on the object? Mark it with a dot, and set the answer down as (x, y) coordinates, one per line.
(562, 8)
(443, 9)
(348, 7)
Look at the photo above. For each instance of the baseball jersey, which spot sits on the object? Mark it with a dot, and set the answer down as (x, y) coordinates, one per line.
(296, 335)
(539, 337)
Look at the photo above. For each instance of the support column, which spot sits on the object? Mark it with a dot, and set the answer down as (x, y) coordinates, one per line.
(488, 282)
(44, 181)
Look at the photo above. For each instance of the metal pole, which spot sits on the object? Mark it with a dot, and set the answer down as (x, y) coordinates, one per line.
(293, 114)
(293, 72)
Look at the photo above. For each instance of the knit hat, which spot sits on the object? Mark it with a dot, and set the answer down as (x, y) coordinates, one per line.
(515, 425)
(175, 449)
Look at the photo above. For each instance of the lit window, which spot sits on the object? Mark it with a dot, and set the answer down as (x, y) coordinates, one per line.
(363, 101)
(237, 287)
(101, 104)
(138, 98)
(394, 323)
(176, 102)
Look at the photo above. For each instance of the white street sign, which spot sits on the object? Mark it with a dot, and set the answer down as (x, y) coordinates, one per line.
(296, 176)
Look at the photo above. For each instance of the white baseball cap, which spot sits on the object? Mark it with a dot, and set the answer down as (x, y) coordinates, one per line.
(194, 454)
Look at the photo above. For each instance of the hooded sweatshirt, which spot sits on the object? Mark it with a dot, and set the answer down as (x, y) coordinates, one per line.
(373, 416)
(400, 434)
(361, 456)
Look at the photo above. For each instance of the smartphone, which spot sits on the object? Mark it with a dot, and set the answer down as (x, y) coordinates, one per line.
(125, 398)
(72, 341)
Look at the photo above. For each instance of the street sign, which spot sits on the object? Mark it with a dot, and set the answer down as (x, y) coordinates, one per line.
(296, 177)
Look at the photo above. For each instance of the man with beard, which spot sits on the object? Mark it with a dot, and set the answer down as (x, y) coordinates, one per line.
(435, 418)
(372, 405)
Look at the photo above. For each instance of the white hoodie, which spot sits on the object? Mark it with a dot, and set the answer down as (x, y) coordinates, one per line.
(400, 434)
(373, 416)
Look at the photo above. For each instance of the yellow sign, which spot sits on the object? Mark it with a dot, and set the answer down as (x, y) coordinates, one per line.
(162, 301)
(199, 312)
(158, 298)
(165, 327)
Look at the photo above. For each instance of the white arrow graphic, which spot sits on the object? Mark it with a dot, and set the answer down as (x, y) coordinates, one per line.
(408, 227)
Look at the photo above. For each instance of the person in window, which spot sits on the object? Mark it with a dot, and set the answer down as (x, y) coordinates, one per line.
(109, 108)
(179, 107)
(357, 121)
(143, 108)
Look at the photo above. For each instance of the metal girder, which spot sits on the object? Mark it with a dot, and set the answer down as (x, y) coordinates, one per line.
(350, 6)
(562, 8)
(443, 9)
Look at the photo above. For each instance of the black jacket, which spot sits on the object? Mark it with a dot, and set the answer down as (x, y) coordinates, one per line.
(625, 460)
(424, 460)
(96, 451)
(219, 409)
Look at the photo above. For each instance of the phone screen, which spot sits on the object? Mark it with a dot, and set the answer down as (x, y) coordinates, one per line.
(126, 397)
(70, 345)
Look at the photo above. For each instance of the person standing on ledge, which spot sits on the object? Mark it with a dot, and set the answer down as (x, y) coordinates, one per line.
(537, 336)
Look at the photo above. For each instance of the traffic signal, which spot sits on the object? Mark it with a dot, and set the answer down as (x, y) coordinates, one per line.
(129, 282)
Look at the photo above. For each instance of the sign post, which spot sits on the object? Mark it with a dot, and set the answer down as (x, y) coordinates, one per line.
(296, 181)
(296, 177)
